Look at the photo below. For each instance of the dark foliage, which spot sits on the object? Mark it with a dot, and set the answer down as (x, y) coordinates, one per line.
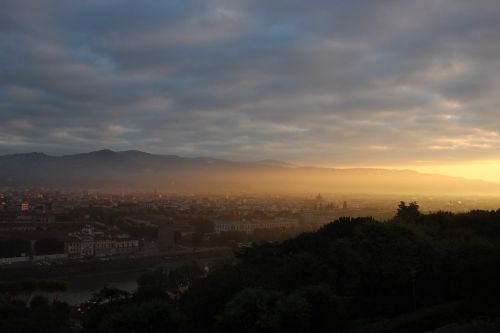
(14, 248)
(403, 271)
(49, 246)
(40, 316)
(412, 274)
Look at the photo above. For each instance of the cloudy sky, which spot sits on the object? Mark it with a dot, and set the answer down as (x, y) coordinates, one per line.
(391, 83)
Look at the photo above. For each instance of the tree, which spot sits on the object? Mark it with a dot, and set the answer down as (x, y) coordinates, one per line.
(14, 248)
(250, 311)
(38, 302)
(408, 213)
(109, 295)
(293, 314)
(48, 246)
(157, 316)
(326, 309)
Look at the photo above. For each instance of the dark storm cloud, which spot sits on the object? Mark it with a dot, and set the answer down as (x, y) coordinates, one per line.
(340, 82)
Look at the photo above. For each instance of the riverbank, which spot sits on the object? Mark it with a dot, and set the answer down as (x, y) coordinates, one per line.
(95, 266)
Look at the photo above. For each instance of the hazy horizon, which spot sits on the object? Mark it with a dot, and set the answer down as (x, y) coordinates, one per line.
(444, 170)
(250, 166)
(399, 85)
(109, 170)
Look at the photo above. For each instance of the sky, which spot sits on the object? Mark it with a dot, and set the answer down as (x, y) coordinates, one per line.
(400, 84)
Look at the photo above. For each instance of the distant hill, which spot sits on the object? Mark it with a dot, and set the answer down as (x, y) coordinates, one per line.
(111, 170)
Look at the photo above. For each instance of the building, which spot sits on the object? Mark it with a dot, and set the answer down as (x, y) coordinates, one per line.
(25, 206)
(89, 243)
(249, 226)
(87, 246)
(72, 246)
(104, 245)
(123, 244)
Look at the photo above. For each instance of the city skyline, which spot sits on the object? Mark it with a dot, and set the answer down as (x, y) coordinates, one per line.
(249, 166)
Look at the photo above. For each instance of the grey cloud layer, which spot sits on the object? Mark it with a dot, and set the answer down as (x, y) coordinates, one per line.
(340, 82)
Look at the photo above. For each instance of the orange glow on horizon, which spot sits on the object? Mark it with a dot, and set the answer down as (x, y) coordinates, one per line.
(487, 170)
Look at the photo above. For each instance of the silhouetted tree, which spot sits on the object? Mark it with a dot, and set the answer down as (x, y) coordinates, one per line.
(250, 311)
(157, 316)
(408, 213)
(353, 274)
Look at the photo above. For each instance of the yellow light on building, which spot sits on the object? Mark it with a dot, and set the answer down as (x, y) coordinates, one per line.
(25, 206)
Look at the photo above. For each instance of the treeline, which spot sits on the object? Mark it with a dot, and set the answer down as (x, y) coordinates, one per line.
(39, 315)
(34, 314)
(233, 238)
(17, 247)
(411, 274)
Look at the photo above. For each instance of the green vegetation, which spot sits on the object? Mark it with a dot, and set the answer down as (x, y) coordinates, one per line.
(22, 247)
(14, 248)
(232, 238)
(413, 273)
(49, 246)
(38, 314)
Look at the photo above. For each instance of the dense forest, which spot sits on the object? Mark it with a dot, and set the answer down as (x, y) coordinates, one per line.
(414, 273)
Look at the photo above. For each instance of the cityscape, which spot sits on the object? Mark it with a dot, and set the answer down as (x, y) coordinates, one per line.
(246, 166)
(47, 227)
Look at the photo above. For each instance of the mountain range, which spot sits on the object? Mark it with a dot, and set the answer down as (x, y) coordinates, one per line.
(112, 170)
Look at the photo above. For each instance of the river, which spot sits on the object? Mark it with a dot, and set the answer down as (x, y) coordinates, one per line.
(81, 288)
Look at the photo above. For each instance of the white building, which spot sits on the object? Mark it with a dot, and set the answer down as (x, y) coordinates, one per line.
(89, 243)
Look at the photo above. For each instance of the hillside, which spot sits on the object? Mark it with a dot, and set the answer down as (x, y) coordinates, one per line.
(110, 170)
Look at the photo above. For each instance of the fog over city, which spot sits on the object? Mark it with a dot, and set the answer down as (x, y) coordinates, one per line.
(249, 166)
